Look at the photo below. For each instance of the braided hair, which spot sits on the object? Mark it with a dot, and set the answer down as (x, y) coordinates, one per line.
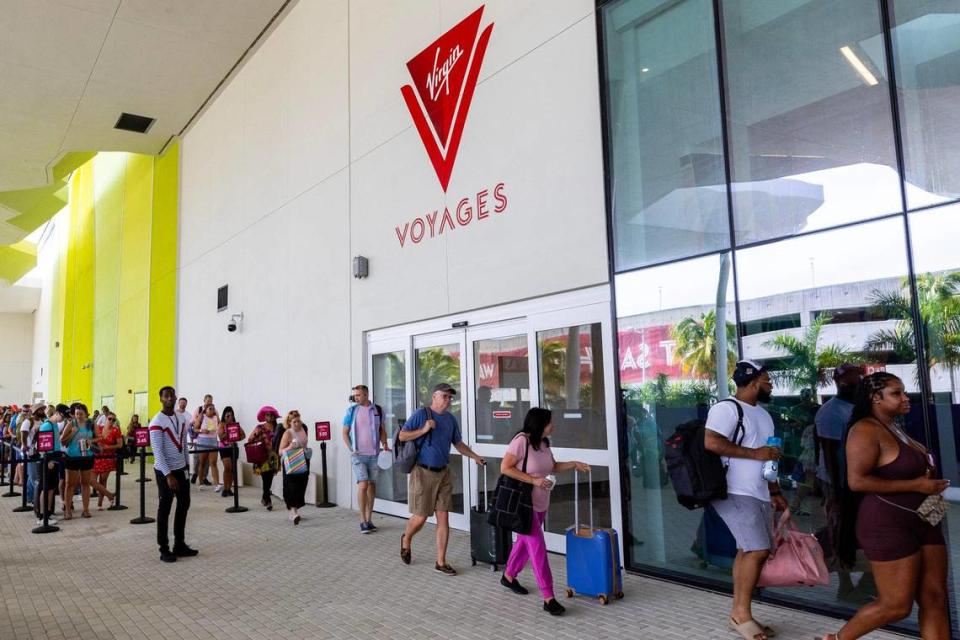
(869, 386)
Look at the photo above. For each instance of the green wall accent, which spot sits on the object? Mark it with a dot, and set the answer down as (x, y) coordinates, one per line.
(16, 260)
(114, 302)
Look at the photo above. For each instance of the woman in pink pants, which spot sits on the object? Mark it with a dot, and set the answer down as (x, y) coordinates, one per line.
(533, 443)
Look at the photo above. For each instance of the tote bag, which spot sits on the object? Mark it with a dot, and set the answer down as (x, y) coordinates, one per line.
(294, 461)
(797, 559)
(512, 506)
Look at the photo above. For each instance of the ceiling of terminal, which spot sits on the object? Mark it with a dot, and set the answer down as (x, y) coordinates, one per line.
(69, 68)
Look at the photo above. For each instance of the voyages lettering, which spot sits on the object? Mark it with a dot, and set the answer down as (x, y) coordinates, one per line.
(434, 223)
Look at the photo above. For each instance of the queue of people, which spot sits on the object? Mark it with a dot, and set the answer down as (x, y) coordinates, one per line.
(882, 489)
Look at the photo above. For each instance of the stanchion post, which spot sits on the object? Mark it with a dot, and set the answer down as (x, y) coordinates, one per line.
(23, 508)
(10, 492)
(143, 519)
(46, 527)
(116, 506)
(325, 503)
(236, 508)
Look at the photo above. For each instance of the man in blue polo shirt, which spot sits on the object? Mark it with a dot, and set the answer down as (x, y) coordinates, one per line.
(435, 430)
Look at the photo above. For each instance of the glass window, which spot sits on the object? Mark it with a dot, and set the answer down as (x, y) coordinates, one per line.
(669, 359)
(436, 365)
(863, 267)
(937, 268)
(809, 122)
(390, 392)
(926, 50)
(501, 373)
(571, 385)
(668, 187)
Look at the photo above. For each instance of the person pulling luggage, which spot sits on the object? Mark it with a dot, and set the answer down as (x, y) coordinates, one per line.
(533, 444)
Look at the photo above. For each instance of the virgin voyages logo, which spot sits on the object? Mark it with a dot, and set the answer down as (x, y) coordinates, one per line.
(444, 76)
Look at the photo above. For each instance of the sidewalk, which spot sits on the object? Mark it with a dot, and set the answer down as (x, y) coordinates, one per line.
(259, 577)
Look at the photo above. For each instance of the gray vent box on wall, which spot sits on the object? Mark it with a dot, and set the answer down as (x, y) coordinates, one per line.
(222, 298)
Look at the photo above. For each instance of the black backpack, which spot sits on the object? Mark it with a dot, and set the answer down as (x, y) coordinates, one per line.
(698, 476)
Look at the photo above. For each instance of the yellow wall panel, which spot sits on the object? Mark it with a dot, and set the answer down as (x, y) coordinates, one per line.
(114, 299)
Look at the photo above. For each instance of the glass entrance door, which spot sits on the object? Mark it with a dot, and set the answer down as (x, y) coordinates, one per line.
(561, 360)
(439, 360)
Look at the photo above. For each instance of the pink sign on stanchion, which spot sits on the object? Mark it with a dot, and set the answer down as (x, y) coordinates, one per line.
(142, 437)
(323, 431)
(45, 441)
(233, 432)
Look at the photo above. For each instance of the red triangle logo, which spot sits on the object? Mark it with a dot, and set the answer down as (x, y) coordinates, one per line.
(444, 78)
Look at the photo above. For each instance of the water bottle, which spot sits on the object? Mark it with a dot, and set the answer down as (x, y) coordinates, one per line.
(771, 468)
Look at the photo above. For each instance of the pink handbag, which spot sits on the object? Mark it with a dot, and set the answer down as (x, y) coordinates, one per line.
(797, 559)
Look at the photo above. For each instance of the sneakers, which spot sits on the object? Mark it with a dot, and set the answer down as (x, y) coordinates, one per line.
(166, 556)
(445, 569)
(553, 607)
(183, 551)
(365, 528)
(202, 486)
(49, 521)
(205, 482)
(193, 479)
(513, 585)
(218, 488)
(371, 526)
(226, 493)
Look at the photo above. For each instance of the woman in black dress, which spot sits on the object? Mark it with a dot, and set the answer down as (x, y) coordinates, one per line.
(296, 470)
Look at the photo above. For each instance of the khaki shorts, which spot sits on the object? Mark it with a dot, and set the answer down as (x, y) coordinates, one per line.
(430, 491)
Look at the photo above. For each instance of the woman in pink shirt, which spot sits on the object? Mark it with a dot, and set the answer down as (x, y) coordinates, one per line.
(533, 443)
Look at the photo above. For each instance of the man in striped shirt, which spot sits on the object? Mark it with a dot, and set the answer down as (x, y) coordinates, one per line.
(168, 441)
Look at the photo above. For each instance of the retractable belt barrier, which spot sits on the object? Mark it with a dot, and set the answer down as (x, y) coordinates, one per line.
(235, 489)
(25, 459)
(8, 459)
(143, 518)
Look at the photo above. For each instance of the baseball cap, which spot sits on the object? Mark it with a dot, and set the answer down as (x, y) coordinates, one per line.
(845, 368)
(445, 388)
(746, 372)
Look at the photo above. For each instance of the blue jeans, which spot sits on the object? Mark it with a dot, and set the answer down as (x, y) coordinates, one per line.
(31, 478)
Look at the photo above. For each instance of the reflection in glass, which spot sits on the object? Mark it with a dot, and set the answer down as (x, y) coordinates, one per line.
(501, 373)
(937, 265)
(436, 365)
(849, 288)
(390, 392)
(571, 385)
(926, 52)
(809, 122)
(672, 353)
(669, 193)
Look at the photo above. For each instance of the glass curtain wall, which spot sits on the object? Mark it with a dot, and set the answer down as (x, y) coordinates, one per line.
(783, 180)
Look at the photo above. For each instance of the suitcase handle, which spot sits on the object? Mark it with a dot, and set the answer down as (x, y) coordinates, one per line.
(576, 499)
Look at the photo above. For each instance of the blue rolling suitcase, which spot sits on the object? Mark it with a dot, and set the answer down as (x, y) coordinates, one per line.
(593, 555)
(714, 544)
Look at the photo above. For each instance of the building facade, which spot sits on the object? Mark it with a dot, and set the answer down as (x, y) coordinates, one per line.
(559, 202)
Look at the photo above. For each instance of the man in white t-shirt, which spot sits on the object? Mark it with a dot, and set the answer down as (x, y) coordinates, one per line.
(747, 511)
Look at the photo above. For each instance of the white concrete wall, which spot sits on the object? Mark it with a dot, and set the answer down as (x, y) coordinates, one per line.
(16, 351)
(309, 156)
(51, 247)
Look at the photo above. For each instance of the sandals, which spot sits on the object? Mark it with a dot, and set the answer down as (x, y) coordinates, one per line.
(751, 630)
(85, 514)
(405, 554)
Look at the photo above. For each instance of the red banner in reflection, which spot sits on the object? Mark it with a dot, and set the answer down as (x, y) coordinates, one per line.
(645, 353)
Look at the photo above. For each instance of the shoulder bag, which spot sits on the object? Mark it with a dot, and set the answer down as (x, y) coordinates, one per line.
(512, 506)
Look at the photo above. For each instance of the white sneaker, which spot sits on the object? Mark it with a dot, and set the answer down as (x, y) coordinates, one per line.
(218, 488)
(202, 487)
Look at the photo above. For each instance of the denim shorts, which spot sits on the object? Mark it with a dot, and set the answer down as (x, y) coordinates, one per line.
(365, 468)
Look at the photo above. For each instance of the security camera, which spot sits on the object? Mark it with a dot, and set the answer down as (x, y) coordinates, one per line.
(235, 321)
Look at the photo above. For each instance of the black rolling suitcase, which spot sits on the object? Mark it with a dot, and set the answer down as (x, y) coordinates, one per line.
(487, 543)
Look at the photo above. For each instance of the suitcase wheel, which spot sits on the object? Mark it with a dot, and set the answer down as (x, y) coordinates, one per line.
(603, 599)
(474, 561)
(569, 592)
(493, 567)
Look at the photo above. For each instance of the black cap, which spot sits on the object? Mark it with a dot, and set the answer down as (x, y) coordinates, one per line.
(445, 388)
(746, 372)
